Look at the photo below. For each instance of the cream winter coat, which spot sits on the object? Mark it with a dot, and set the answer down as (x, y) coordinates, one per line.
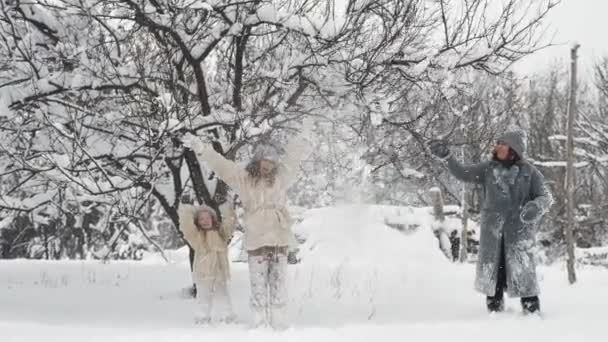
(267, 221)
(211, 250)
(229, 220)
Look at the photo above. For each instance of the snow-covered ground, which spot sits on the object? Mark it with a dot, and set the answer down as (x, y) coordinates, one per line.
(358, 281)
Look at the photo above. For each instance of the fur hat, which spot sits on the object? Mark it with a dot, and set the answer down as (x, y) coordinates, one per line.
(199, 210)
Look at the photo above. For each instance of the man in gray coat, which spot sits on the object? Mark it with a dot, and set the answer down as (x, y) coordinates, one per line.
(514, 199)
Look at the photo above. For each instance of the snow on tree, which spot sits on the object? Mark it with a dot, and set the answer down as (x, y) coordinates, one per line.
(95, 97)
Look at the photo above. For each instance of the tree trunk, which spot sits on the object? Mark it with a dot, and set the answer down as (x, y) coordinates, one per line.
(570, 186)
(46, 241)
(440, 232)
(437, 199)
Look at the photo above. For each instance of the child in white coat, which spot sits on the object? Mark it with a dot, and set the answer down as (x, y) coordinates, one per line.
(211, 272)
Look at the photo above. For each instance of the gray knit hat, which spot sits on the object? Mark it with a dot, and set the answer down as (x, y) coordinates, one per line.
(266, 152)
(517, 140)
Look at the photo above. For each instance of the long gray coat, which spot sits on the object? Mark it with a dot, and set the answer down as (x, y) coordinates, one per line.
(505, 192)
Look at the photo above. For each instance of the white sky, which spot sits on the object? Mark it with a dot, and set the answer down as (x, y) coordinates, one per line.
(583, 21)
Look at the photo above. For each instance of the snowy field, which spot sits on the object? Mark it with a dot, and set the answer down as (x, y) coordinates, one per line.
(358, 281)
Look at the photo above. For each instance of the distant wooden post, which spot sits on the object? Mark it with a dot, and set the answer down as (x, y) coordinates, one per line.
(464, 236)
(570, 186)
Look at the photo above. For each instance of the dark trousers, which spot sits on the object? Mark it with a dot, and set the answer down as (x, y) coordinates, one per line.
(191, 259)
(530, 304)
(501, 278)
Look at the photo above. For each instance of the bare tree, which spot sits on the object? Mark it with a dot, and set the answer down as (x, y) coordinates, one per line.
(95, 96)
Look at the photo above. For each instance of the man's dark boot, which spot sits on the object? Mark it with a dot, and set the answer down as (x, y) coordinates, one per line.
(530, 305)
(495, 304)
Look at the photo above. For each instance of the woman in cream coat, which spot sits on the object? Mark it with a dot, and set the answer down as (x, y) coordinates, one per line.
(262, 187)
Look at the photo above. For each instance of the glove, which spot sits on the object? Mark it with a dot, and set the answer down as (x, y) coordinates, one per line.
(306, 129)
(192, 142)
(530, 213)
(188, 140)
(440, 149)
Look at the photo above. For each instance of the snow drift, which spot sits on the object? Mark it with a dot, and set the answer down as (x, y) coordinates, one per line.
(358, 280)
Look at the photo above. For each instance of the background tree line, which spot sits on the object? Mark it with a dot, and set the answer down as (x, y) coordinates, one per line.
(95, 98)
